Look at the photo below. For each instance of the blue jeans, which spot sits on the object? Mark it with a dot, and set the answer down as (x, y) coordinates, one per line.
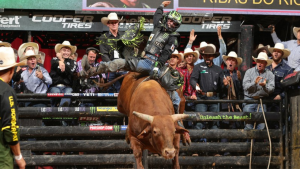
(146, 65)
(175, 98)
(253, 108)
(57, 89)
(207, 107)
(115, 88)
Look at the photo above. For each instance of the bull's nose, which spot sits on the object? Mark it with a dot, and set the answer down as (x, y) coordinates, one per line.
(170, 153)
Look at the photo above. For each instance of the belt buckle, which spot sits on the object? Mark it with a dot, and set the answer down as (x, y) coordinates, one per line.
(209, 94)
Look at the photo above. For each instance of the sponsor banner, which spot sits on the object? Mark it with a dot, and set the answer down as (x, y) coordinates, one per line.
(89, 118)
(198, 23)
(46, 109)
(72, 94)
(101, 128)
(80, 109)
(107, 109)
(92, 110)
(83, 23)
(260, 7)
(106, 95)
(117, 128)
(55, 94)
(123, 127)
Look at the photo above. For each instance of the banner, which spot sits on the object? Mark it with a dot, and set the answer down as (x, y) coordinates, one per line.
(78, 23)
(260, 7)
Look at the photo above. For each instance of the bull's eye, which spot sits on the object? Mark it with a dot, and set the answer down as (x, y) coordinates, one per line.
(154, 131)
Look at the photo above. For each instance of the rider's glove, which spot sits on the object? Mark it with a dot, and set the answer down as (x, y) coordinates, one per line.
(156, 67)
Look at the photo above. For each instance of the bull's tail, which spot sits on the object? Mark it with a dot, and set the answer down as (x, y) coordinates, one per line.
(105, 86)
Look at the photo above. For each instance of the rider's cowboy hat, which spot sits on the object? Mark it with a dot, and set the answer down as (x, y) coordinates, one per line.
(7, 58)
(280, 46)
(202, 46)
(22, 48)
(260, 48)
(232, 54)
(179, 55)
(263, 56)
(65, 44)
(111, 17)
(29, 53)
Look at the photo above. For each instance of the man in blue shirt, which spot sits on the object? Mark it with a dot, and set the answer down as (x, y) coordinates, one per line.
(292, 45)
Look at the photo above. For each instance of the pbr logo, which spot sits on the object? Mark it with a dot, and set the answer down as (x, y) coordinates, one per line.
(92, 110)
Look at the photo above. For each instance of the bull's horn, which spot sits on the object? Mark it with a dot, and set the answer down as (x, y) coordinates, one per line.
(145, 117)
(177, 117)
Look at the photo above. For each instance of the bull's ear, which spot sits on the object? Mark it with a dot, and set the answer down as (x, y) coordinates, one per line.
(144, 133)
(180, 130)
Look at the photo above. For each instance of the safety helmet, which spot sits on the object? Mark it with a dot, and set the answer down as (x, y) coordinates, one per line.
(175, 17)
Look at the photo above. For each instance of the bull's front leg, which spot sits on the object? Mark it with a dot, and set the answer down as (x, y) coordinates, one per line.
(175, 161)
(137, 151)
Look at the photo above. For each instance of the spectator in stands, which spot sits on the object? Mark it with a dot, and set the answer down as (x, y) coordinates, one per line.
(74, 56)
(233, 90)
(217, 60)
(110, 53)
(19, 84)
(292, 45)
(207, 79)
(175, 59)
(9, 133)
(35, 77)
(280, 69)
(5, 44)
(261, 48)
(258, 83)
(62, 70)
(87, 85)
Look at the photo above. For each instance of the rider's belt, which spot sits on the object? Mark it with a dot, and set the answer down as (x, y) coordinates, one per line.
(149, 58)
(209, 94)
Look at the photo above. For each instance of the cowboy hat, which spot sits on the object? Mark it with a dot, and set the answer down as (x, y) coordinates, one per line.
(188, 51)
(30, 53)
(7, 58)
(295, 31)
(111, 17)
(210, 50)
(5, 44)
(179, 55)
(263, 56)
(23, 47)
(43, 55)
(280, 46)
(260, 48)
(65, 44)
(202, 45)
(232, 54)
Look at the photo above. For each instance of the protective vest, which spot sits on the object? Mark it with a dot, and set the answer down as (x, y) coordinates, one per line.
(157, 41)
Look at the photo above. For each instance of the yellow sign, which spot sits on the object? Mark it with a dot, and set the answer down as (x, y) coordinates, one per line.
(107, 109)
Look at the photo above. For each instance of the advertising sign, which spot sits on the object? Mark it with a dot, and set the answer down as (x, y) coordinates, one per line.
(260, 7)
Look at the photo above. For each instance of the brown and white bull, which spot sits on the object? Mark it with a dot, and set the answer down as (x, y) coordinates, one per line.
(152, 123)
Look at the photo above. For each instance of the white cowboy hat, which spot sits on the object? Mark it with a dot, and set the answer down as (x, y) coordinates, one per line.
(111, 17)
(210, 50)
(295, 31)
(16, 54)
(263, 56)
(5, 44)
(179, 55)
(188, 51)
(43, 56)
(280, 46)
(260, 48)
(232, 54)
(202, 45)
(22, 48)
(7, 58)
(30, 53)
(65, 44)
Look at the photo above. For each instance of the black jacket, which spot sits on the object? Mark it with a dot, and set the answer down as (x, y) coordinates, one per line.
(107, 51)
(59, 77)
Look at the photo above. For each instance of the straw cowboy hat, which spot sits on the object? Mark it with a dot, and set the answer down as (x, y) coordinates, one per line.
(179, 55)
(22, 48)
(260, 48)
(263, 56)
(5, 44)
(202, 46)
(188, 51)
(65, 44)
(30, 53)
(295, 31)
(7, 58)
(43, 56)
(111, 17)
(210, 50)
(232, 54)
(280, 46)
